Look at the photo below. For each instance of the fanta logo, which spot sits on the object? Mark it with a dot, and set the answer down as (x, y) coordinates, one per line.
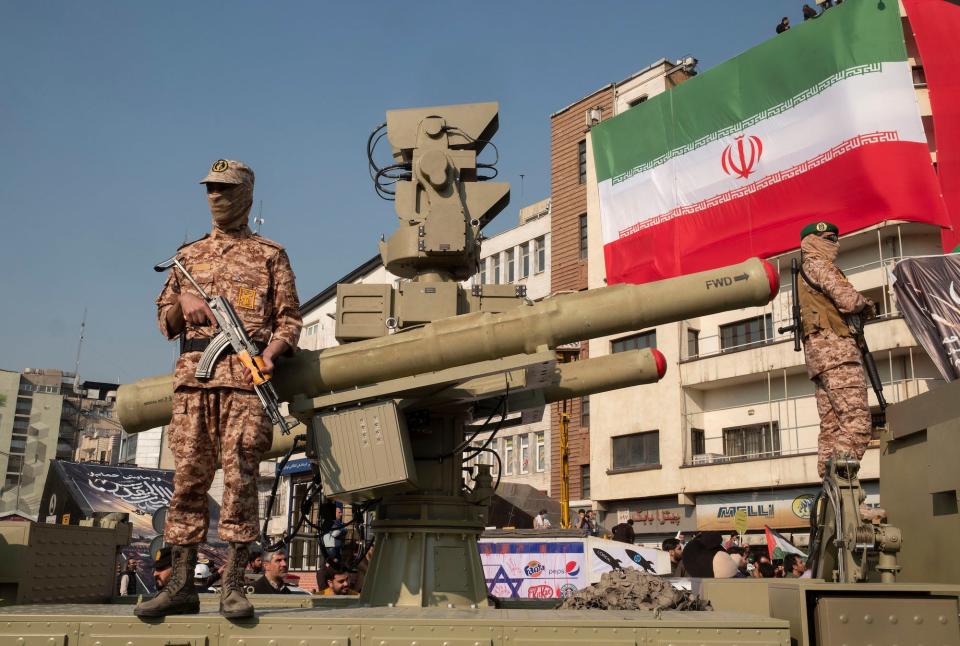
(540, 592)
(740, 157)
(534, 568)
(572, 568)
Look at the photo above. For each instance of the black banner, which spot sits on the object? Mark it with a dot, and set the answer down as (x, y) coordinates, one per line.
(928, 296)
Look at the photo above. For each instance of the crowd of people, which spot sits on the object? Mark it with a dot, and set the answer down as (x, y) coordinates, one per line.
(809, 13)
(266, 573)
(743, 561)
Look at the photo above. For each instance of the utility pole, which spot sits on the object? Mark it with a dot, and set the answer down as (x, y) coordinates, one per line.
(76, 365)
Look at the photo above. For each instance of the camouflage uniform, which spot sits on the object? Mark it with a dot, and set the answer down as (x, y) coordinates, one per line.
(833, 359)
(223, 415)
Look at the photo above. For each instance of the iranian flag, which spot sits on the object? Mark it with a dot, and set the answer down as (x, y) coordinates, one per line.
(820, 122)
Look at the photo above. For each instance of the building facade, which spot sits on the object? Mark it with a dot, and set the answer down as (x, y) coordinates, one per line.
(520, 256)
(571, 244)
(734, 424)
(31, 434)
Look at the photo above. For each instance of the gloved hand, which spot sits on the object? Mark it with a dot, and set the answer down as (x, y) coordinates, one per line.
(869, 310)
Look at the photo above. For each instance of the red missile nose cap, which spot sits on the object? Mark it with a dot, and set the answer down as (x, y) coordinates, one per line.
(661, 362)
(773, 276)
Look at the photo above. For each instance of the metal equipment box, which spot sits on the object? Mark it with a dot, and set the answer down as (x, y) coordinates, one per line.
(363, 448)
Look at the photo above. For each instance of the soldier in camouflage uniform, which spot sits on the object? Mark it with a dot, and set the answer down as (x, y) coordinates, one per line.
(833, 359)
(221, 416)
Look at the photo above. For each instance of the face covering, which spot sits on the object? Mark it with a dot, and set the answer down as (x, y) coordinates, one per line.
(231, 207)
(820, 247)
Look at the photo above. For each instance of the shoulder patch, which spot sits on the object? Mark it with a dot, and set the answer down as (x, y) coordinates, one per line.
(187, 244)
(267, 242)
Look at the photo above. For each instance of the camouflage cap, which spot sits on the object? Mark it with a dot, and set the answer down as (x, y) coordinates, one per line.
(819, 227)
(229, 171)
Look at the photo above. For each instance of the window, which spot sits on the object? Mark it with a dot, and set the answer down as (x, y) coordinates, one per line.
(758, 440)
(583, 237)
(584, 482)
(540, 249)
(919, 77)
(541, 452)
(637, 450)
(508, 456)
(698, 441)
(646, 339)
(303, 554)
(312, 329)
(524, 260)
(18, 444)
(637, 101)
(747, 333)
(483, 271)
(693, 343)
(525, 453)
(582, 161)
(585, 412)
(510, 264)
(496, 269)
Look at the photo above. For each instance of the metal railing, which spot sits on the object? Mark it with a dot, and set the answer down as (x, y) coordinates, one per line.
(790, 441)
(780, 310)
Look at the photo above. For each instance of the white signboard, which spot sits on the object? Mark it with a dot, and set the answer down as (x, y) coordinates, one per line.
(552, 568)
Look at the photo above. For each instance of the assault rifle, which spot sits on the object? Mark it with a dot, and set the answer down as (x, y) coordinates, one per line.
(232, 335)
(797, 327)
(855, 323)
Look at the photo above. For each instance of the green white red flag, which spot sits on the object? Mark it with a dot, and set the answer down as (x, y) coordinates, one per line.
(778, 546)
(818, 123)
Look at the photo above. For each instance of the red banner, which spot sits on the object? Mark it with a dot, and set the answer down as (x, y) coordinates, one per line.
(936, 26)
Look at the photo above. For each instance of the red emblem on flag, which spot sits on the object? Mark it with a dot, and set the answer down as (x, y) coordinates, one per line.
(740, 157)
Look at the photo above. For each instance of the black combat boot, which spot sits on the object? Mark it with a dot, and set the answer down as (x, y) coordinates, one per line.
(178, 596)
(233, 598)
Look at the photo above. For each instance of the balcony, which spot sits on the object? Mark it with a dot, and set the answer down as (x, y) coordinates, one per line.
(720, 436)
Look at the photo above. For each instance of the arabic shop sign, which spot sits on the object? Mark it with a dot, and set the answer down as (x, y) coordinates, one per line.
(650, 516)
(782, 509)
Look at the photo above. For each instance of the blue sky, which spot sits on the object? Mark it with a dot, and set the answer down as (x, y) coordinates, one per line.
(110, 112)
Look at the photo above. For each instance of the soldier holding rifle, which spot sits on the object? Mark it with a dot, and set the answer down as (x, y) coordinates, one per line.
(221, 415)
(833, 349)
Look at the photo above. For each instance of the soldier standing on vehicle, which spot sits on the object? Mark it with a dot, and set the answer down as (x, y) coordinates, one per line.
(221, 416)
(834, 362)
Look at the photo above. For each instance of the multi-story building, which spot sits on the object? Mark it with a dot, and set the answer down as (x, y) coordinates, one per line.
(100, 437)
(31, 434)
(520, 256)
(571, 246)
(734, 423)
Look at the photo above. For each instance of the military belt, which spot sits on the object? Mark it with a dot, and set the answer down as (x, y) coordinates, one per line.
(199, 345)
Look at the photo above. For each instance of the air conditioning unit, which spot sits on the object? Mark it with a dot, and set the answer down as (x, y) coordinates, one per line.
(708, 458)
(593, 117)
